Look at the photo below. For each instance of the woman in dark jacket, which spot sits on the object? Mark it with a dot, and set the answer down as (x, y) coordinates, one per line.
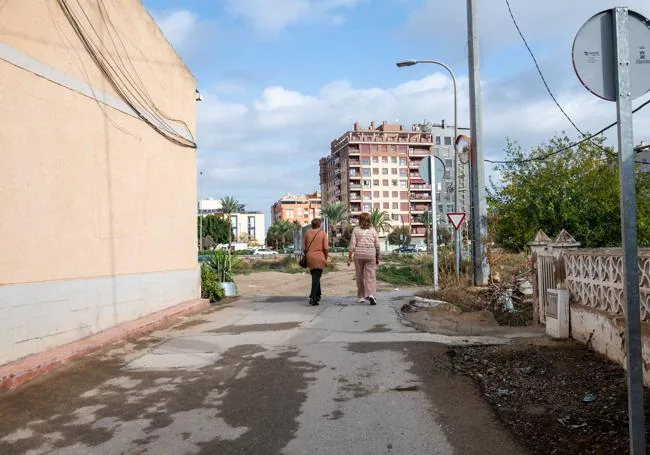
(316, 247)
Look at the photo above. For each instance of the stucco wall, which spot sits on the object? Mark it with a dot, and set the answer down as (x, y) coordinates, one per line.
(605, 333)
(87, 191)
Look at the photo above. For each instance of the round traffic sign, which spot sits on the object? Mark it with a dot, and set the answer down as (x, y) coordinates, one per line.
(594, 54)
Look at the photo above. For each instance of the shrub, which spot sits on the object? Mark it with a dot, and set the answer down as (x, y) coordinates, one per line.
(210, 288)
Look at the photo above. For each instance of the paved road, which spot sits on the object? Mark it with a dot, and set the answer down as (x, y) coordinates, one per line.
(263, 376)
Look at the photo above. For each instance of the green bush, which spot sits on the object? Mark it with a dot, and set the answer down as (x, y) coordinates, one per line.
(210, 288)
(415, 275)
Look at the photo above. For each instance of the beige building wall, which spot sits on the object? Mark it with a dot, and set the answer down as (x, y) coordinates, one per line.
(96, 206)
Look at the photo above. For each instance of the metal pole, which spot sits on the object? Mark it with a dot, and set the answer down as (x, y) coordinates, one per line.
(434, 222)
(200, 216)
(628, 228)
(479, 206)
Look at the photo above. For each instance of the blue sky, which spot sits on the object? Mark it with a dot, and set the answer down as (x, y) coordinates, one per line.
(282, 78)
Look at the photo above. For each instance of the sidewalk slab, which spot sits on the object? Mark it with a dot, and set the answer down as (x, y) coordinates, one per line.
(16, 373)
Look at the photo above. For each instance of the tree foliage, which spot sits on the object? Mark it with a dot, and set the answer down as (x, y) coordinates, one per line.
(379, 220)
(214, 227)
(335, 214)
(576, 190)
(280, 233)
(395, 237)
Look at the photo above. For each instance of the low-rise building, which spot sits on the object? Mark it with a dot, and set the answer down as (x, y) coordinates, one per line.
(247, 226)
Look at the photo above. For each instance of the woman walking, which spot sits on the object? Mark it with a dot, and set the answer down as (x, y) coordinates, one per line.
(364, 249)
(315, 246)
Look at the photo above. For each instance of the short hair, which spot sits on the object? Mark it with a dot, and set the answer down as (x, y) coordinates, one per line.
(315, 223)
(364, 220)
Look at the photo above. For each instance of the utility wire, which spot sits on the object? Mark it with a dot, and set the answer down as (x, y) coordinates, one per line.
(548, 89)
(568, 147)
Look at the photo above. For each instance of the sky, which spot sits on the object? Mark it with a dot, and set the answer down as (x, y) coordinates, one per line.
(281, 79)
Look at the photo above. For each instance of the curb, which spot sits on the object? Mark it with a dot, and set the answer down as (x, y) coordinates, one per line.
(19, 372)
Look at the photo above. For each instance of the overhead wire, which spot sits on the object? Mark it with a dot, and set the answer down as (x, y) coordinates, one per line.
(136, 103)
(586, 138)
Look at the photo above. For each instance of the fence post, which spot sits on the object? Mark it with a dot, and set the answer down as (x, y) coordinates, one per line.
(562, 242)
(537, 245)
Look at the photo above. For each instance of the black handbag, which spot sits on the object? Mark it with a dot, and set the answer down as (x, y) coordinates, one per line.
(303, 257)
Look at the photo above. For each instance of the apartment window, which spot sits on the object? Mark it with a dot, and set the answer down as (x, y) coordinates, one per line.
(365, 172)
(439, 208)
(438, 197)
(393, 159)
(449, 163)
(386, 194)
(395, 194)
(365, 161)
(395, 205)
(450, 207)
(384, 182)
(395, 217)
(375, 171)
(403, 173)
(437, 140)
(393, 171)
(251, 227)
(393, 148)
(373, 148)
(233, 223)
(402, 162)
(366, 184)
(367, 207)
(394, 183)
(403, 184)
(290, 214)
(364, 148)
(384, 171)
(447, 174)
(384, 159)
(386, 205)
(447, 140)
(375, 194)
(411, 149)
(375, 159)
(375, 182)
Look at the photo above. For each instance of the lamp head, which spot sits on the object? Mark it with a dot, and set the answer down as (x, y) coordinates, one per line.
(405, 63)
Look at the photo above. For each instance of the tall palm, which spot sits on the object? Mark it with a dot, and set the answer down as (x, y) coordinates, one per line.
(379, 220)
(280, 231)
(335, 214)
(230, 205)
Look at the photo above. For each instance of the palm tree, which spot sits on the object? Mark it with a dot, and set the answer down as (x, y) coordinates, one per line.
(230, 205)
(335, 213)
(379, 220)
(279, 231)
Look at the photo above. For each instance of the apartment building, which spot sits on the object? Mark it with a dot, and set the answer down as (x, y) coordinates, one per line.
(377, 168)
(300, 208)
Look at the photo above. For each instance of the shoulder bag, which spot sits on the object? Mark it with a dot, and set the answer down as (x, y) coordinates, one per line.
(303, 257)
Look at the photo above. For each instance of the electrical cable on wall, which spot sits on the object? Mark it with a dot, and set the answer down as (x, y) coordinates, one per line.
(139, 101)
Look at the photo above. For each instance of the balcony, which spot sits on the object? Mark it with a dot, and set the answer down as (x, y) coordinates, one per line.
(418, 187)
(419, 152)
(355, 197)
(355, 186)
(354, 152)
(355, 163)
(419, 208)
(355, 175)
(420, 197)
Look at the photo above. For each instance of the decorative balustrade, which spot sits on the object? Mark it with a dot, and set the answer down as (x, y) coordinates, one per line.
(595, 279)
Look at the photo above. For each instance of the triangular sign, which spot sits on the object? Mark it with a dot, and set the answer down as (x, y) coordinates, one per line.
(456, 218)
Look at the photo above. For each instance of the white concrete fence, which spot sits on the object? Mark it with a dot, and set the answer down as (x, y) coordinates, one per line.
(592, 280)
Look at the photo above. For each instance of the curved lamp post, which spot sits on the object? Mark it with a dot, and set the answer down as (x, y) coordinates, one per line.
(404, 64)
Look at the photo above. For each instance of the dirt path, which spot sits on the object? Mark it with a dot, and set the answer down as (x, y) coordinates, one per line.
(339, 283)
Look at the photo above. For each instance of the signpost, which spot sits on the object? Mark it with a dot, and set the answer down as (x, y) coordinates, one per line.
(431, 176)
(611, 59)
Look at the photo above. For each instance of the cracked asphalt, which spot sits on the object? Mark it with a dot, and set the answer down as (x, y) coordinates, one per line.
(266, 375)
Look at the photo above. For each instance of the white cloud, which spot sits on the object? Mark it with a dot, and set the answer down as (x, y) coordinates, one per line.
(272, 17)
(178, 26)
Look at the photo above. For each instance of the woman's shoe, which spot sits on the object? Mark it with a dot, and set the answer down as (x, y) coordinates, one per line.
(372, 300)
(361, 300)
(313, 302)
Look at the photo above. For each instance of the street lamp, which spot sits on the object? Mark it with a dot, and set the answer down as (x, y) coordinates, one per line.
(404, 64)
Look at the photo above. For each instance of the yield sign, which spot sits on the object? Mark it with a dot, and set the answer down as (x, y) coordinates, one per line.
(456, 218)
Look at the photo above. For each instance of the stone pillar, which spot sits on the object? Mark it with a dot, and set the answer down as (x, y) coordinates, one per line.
(563, 242)
(537, 245)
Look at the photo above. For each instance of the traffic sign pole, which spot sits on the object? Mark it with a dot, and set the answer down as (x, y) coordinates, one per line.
(628, 228)
(434, 223)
